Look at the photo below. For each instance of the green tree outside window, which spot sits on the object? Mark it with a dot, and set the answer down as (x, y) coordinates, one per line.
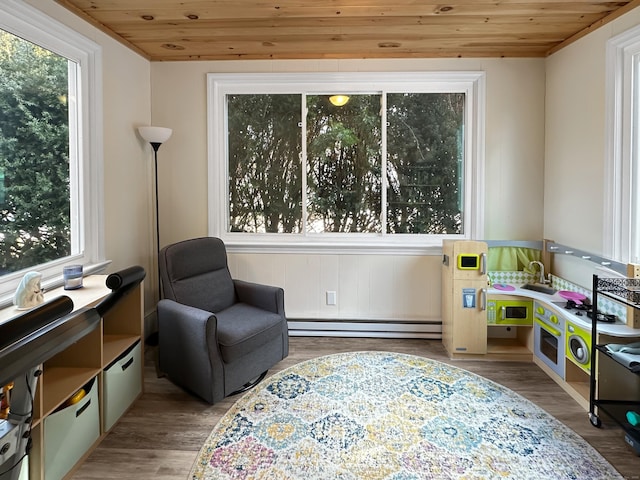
(34, 155)
(343, 169)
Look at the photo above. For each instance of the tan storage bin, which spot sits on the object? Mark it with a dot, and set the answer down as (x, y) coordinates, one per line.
(70, 433)
(122, 385)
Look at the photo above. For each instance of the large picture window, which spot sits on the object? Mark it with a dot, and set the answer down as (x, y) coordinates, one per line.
(395, 163)
(50, 148)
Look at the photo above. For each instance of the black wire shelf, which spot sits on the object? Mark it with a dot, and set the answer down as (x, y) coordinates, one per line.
(626, 290)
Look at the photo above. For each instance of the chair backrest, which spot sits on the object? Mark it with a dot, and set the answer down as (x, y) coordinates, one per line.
(195, 272)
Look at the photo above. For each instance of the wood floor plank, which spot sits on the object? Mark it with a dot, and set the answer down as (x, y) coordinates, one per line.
(161, 435)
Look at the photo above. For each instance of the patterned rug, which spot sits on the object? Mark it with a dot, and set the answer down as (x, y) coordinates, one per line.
(371, 415)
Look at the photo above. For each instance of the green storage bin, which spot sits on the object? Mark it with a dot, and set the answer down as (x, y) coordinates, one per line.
(70, 432)
(122, 385)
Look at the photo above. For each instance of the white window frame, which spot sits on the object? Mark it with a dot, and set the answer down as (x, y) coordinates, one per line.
(85, 142)
(621, 235)
(221, 85)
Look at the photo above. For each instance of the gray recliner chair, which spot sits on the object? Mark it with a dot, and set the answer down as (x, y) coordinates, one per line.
(216, 335)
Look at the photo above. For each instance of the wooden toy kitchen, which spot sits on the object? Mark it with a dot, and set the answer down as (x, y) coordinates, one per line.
(525, 315)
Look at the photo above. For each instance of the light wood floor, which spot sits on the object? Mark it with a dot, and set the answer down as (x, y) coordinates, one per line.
(161, 435)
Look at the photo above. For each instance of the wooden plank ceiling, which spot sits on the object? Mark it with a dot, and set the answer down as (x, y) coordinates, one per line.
(178, 30)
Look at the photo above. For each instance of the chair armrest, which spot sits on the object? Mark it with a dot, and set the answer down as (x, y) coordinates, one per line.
(184, 333)
(192, 323)
(266, 297)
(188, 349)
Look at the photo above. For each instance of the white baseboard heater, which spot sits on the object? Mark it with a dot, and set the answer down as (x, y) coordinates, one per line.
(428, 329)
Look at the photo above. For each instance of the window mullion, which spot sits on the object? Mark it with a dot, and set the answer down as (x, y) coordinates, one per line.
(383, 154)
(304, 164)
(75, 166)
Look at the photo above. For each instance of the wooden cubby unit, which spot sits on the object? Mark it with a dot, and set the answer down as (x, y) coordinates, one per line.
(67, 372)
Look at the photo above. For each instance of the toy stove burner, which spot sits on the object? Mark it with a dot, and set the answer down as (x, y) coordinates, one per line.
(572, 305)
(603, 317)
(578, 309)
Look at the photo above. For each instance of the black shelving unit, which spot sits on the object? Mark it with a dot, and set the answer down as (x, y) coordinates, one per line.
(625, 291)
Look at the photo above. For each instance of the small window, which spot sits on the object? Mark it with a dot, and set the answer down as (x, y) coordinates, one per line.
(425, 163)
(265, 178)
(622, 165)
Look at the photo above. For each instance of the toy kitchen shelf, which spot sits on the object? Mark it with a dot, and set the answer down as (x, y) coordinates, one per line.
(625, 291)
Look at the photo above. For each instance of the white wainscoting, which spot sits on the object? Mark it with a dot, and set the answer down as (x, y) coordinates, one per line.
(377, 295)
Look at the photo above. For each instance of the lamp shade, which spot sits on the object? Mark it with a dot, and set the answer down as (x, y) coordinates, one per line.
(155, 134)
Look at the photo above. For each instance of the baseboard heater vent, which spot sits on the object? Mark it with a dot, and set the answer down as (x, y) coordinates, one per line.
(429, 329)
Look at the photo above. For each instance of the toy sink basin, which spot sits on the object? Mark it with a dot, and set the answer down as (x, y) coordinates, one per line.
(538, 287)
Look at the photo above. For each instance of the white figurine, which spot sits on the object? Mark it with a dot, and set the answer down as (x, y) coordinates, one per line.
(29, 293)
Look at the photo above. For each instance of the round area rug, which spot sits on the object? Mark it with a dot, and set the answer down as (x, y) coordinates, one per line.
(372, 415)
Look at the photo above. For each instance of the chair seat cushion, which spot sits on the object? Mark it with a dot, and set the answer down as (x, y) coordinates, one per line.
(243, 328)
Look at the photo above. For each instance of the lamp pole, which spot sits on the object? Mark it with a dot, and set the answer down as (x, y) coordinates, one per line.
(156, 146)
(156, 136)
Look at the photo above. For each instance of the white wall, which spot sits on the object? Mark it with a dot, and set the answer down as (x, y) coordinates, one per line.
(128, 174)
(380, 286)
(575, 145)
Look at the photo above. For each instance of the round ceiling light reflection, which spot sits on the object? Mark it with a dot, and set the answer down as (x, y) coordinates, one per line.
(339, 100)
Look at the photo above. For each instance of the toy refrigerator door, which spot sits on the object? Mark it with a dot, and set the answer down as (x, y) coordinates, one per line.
(469, 317)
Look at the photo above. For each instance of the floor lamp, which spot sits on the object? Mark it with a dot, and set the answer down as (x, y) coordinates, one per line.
(156, 136)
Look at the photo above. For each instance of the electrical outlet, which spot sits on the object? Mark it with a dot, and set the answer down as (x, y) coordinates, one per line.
(332, 298)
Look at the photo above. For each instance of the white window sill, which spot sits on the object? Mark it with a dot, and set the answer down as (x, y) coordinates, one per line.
(334, 247)
(57, 281)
